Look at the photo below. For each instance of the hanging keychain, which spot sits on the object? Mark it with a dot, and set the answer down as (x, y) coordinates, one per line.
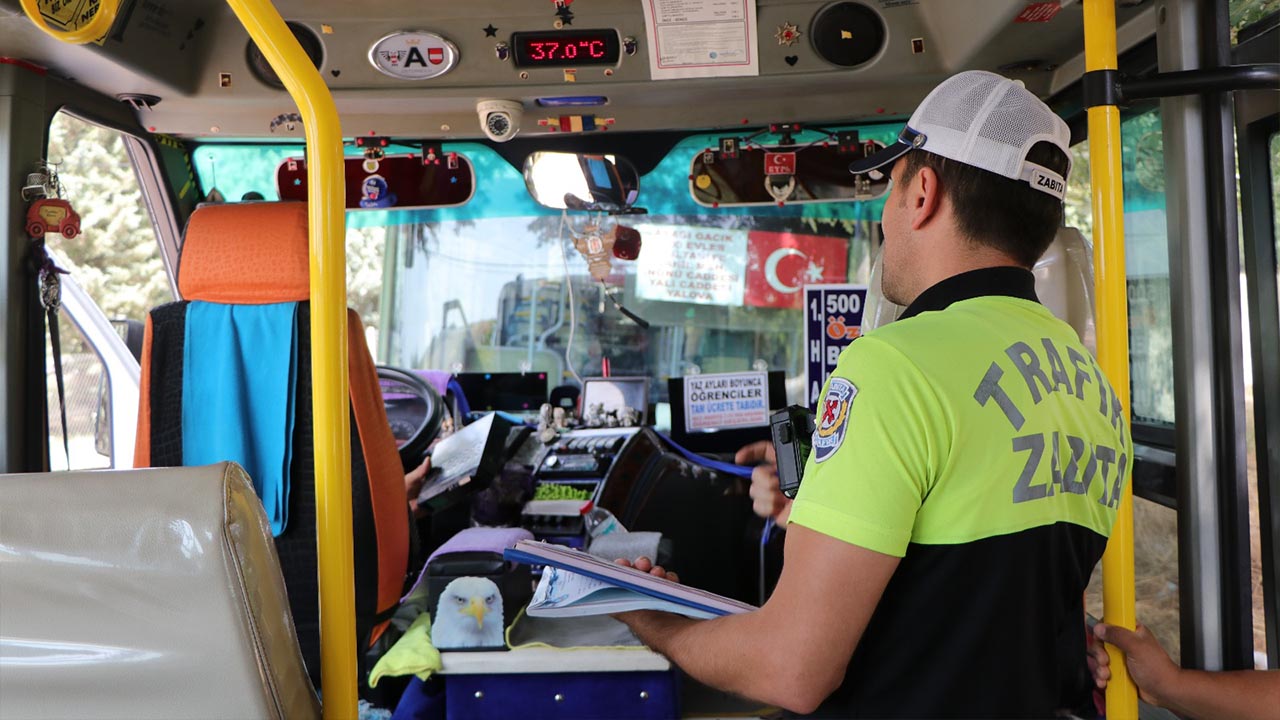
(50, 215)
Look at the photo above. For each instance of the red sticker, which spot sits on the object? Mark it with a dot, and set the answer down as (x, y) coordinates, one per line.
(780, 163)
(1038, 12)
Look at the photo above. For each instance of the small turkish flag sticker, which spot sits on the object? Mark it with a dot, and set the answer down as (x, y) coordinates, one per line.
(779, 163)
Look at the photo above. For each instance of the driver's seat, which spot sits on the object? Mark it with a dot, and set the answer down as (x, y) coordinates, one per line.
(218, 384)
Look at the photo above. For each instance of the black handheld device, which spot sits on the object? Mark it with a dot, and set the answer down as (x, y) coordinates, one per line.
(792, 430)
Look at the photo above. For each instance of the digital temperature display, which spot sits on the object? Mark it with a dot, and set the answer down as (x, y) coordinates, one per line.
(566, 48)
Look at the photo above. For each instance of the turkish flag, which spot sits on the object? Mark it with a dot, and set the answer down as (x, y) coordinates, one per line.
(779, 265)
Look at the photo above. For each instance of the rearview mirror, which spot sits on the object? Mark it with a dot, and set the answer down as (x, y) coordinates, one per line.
(580, 181)
(783, 175)
(403, 182)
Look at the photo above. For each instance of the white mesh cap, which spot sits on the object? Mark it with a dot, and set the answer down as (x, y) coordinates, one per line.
(984, 120)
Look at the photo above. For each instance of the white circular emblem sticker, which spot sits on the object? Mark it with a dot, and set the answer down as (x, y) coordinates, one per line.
(413, 55)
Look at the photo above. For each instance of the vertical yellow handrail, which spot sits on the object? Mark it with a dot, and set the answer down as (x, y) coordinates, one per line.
(326, 203)
(1107, 175)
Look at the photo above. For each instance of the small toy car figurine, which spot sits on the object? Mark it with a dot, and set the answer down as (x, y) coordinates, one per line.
(52, 215)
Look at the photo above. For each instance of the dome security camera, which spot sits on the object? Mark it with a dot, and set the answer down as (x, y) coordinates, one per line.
(500, 119)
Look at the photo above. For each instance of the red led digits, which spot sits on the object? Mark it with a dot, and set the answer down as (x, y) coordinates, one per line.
(559, 49)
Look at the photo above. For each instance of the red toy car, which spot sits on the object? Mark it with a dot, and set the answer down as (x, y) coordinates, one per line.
(52, 215)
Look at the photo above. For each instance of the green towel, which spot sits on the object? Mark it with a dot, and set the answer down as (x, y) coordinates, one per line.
(413, 654)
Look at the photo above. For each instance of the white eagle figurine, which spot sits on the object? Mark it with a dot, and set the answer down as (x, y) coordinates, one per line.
(469, 615)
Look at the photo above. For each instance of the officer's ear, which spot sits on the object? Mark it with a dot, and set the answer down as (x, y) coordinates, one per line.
(924, 198)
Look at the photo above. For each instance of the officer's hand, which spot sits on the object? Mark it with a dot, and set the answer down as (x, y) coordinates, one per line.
(1099, 664)
(645, 565)
(767, 499)
(413, 482)
(1151, 669)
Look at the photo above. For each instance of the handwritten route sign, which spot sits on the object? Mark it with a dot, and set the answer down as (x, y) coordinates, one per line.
(833, 319)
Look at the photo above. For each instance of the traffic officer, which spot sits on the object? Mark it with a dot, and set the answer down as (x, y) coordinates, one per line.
(967, 464)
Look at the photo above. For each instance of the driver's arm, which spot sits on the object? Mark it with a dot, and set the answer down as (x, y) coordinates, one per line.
(413, 482)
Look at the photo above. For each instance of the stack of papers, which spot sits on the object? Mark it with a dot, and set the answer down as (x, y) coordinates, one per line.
(576, 584)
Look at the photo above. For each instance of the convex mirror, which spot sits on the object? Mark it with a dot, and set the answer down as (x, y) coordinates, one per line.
(580, 181)
(402, 182)
(783, 174)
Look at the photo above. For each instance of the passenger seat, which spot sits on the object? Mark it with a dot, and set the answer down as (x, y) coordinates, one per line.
(256, 254)
(144, 594)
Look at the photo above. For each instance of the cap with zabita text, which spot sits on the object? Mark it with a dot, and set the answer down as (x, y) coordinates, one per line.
(985, 120)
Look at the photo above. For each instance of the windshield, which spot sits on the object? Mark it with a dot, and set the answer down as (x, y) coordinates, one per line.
(497, 284)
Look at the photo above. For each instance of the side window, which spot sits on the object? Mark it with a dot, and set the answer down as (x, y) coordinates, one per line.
(116, 262)
(1146, 261)
(1255, 510)
(1150, 357)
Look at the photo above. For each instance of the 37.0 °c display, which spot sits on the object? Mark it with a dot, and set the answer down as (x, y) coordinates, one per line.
(566, 48)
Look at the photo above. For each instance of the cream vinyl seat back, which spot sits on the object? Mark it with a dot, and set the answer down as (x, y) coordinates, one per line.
(144, 594)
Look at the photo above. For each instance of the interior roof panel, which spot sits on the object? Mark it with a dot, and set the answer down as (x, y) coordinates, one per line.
(178, 50)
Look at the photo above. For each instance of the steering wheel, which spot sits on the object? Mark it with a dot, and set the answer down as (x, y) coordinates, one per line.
(415, 411)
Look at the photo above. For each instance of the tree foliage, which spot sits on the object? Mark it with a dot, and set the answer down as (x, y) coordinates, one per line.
(115, 258)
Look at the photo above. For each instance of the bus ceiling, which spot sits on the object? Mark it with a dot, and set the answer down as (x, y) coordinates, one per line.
(192, 71)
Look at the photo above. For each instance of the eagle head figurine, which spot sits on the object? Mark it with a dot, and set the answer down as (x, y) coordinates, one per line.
(469, 615)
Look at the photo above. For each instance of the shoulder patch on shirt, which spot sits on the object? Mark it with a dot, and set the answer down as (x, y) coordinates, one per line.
(833, 418)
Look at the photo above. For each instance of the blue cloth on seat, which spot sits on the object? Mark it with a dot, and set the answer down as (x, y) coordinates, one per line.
(239, 369)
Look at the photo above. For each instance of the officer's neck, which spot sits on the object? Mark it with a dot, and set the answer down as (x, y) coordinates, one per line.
(952, 254)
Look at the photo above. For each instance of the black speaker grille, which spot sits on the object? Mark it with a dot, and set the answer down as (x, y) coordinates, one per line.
(847, 34)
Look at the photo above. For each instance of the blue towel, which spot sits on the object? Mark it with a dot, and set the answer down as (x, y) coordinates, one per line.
(239, 369)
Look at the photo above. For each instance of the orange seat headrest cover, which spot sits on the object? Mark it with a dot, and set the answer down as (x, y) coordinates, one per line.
(246, 254)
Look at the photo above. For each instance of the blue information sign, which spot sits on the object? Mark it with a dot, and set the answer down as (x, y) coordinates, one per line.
(833, 319)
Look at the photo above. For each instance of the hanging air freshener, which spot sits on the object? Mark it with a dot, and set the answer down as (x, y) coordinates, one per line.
(596, 248)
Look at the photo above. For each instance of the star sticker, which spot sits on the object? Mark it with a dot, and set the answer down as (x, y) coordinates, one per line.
(565, 15)
(788, 34)
(491, 31)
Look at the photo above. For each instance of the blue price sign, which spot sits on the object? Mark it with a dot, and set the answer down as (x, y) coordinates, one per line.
(833, 319)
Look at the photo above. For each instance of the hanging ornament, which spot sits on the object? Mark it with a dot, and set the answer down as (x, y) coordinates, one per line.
(596, 248)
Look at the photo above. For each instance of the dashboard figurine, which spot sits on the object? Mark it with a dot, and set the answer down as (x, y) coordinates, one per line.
(628, 417)
(468, 616)
(594, 416)
(547, 428)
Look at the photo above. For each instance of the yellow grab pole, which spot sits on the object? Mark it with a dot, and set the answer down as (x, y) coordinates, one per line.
(326, 202)
(98, 26)
(1113, 331)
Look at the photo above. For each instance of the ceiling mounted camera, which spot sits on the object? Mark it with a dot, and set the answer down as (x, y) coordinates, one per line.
(500, 119)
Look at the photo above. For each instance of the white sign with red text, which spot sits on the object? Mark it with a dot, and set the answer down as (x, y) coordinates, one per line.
(700, 265)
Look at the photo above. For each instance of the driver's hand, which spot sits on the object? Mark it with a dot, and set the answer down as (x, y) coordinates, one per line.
(413, 484)
(767, 499)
